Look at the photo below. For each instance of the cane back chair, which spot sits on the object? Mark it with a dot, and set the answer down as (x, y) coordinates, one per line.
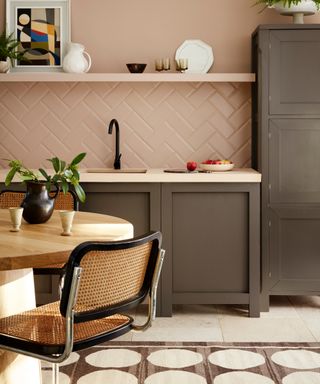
(68, 201)
(102, 280)
(10, 198)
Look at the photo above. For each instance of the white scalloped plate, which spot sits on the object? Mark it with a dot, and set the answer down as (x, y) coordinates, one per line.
(199, 55)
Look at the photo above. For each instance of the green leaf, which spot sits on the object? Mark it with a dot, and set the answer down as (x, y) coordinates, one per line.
(56, 178)
(62, 165)
(76, 174)
(59, 165)
(10, 176)
(65, 186)
(27, 177)
(78, 158)
(15, 163)
(56, 164)
(80, 193)
(44, 174)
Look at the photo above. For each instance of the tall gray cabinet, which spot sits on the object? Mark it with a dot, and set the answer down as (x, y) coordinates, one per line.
(286, 150)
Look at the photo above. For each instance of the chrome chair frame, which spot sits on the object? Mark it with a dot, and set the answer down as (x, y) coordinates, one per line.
(70, 317)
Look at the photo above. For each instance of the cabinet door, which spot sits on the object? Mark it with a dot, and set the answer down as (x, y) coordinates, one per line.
(139, 203)
(294, 160)
(204, 258)
(294, 250)
(294, 72)
(210, 233)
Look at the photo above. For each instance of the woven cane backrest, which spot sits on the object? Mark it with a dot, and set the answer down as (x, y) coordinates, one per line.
(111, 276)
(14, 199)
(66, 201)
(11, 199)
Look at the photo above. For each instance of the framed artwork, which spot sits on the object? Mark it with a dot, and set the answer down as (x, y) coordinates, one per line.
(43, 30)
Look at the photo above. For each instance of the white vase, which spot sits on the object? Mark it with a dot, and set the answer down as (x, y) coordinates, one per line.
(75, 61)
(304, 8)
(4, 66)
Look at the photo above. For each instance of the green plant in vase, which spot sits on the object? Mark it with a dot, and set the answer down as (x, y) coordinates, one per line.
(286, 3)
(65, 174)
(38, 204)
(296, 8)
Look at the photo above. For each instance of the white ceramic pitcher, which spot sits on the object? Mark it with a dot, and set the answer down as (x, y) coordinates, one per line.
(75, 61)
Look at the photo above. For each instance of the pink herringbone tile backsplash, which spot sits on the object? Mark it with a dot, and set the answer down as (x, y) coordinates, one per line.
(161, 124)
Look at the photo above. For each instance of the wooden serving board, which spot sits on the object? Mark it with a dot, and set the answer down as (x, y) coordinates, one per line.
(181, 171)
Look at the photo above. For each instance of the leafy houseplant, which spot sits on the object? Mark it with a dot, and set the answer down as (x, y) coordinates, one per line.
(295, 8)
(65, 174)
(9, 49)
(286, 3)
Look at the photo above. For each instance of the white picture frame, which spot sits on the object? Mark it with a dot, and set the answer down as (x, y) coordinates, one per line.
(29, 21)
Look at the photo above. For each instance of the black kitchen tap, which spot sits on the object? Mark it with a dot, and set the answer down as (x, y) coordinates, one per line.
(117, 163)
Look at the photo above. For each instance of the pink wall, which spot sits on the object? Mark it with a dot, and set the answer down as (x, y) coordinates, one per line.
(116, 32)
(162, 124)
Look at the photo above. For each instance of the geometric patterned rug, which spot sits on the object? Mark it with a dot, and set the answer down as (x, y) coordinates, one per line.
(192, 363)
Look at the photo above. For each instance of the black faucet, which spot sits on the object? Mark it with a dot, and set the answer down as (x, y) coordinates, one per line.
(116, 164)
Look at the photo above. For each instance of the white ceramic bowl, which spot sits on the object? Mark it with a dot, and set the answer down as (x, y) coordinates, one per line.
(216, 167)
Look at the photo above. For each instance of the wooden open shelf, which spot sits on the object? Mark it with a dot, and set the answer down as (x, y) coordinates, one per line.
(125, 77)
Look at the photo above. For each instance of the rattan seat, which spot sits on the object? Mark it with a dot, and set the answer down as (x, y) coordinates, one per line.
(45, 326)
(102, 281)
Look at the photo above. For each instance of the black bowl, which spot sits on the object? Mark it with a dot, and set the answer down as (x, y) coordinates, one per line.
(136, 68)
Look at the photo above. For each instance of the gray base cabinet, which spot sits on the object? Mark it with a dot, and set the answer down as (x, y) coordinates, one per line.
(210, 234)
(139, 203)
(211, 237)
(286, 142)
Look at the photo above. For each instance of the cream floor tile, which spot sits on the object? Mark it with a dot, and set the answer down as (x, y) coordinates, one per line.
(308, 308)
(126, 337)
(313, 326)
(238, 311)
(172, 333)
(280, 307)
(265, 330)
(185, 314)
(188, 323)
(196, 311)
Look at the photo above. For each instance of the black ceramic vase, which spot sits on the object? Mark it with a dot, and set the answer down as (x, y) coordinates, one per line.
(38, 204)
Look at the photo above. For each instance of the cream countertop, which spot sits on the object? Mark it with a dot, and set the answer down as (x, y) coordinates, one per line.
(237, 175)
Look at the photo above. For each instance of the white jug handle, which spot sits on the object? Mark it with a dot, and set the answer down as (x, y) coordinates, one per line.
(89, 61)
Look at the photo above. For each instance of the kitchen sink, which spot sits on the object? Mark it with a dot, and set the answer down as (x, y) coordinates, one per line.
(111, 170)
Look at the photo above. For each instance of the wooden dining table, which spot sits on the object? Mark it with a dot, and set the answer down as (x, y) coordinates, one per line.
(37, 245)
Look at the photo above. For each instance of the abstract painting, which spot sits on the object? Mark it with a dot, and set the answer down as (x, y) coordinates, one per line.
(39, 33)
(42, 28)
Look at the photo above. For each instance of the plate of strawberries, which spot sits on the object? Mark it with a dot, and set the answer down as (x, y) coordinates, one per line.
(217, 165)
